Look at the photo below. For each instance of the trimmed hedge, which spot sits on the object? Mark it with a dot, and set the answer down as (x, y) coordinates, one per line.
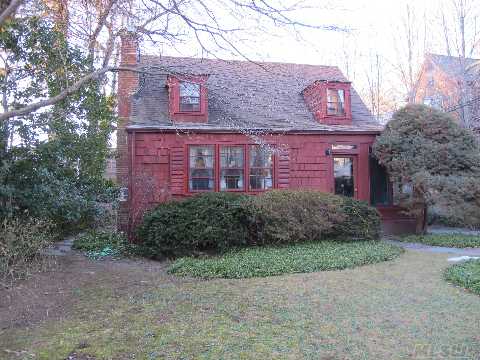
(209, 221)
(218, 221)
(290, 216)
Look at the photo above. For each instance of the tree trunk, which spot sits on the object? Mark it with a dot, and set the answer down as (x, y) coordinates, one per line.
(419, 210)
(421, 221)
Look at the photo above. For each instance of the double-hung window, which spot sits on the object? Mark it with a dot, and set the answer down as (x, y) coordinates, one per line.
(201, 168)
(232, 169)
(261, 168)
(189, 97)
(335, 102)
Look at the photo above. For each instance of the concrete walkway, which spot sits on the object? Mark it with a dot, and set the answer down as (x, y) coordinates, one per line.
(442, 230)
(60, 248)
(437, 229)
(437, 249)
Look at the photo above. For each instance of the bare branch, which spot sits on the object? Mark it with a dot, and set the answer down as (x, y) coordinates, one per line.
(9, 10)
(93, 76)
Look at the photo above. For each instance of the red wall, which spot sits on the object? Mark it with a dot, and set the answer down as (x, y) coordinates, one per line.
(159, 163)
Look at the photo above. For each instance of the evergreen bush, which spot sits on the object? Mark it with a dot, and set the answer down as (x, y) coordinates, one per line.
(218, 221)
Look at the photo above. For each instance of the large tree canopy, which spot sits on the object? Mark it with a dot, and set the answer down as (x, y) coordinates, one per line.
(427, 152)
(51, 162)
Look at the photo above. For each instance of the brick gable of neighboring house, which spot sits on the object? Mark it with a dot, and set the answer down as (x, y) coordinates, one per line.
(444, 84)
(194, 125)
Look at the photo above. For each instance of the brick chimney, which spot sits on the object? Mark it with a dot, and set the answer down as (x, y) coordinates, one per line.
(127, 85)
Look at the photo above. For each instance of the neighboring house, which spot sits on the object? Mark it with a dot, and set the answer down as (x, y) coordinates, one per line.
(194, 125)
(450, 84)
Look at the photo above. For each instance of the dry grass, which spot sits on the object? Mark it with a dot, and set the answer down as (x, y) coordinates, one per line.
(392, 310)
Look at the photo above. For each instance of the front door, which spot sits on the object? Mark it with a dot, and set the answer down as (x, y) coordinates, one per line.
(344, 172)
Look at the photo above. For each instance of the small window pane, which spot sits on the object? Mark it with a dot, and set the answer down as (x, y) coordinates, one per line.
(335, 102)
(232, 168)
(260, 157)
(202, 163)
(189, 96)
(189, 89)
(343, 147)
(261, 172)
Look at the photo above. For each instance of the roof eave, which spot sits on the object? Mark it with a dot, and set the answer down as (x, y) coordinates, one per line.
(132, 129)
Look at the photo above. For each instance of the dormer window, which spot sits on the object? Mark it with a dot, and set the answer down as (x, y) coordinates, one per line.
(335, 102)
(329, 101)
(189, 97)
(188, 100)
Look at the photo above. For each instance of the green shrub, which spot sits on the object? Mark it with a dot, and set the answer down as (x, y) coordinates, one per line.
(363, 221)
(21, 244)
(283, 217)
(209, 221)
(466, 275)
(218, 221)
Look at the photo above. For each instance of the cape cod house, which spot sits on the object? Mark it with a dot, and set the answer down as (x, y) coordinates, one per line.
(193, 125)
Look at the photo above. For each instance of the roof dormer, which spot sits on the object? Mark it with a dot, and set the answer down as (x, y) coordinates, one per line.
(329, 101)
(188, 100)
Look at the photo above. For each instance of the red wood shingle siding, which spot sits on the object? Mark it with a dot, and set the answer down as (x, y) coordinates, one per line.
(160, 162)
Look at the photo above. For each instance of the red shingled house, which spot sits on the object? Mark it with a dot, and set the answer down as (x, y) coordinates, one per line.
(193, 125)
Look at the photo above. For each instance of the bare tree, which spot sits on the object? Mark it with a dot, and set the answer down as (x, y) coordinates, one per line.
(459, 20)
(374, 80)
(217, 26)
(8, 9)
(411, 44)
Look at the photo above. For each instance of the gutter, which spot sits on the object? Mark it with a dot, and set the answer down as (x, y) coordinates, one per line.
(258, 132)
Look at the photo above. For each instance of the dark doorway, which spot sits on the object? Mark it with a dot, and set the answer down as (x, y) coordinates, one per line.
(380, 187)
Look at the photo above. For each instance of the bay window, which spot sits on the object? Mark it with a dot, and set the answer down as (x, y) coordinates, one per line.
(261, 168)
(201, 168)
(231, 168)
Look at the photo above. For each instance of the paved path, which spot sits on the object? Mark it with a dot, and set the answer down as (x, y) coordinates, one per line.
(437, 249)
(60, 248)
(437, 229)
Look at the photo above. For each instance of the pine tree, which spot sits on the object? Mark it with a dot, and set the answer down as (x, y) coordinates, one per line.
(426, 151)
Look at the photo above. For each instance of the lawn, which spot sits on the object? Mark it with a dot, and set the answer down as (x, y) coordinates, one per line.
(135, 310)
(466, 275)
(298, 258)
(448, 240)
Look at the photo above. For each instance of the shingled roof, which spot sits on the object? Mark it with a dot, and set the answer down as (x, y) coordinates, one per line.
(243, 94)
(452, 65)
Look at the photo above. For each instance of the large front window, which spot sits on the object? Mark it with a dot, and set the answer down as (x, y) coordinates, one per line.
(189, 97)
(335, 102)
(239, 168)
(202, 168)
(261, 168)
(231, 168)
